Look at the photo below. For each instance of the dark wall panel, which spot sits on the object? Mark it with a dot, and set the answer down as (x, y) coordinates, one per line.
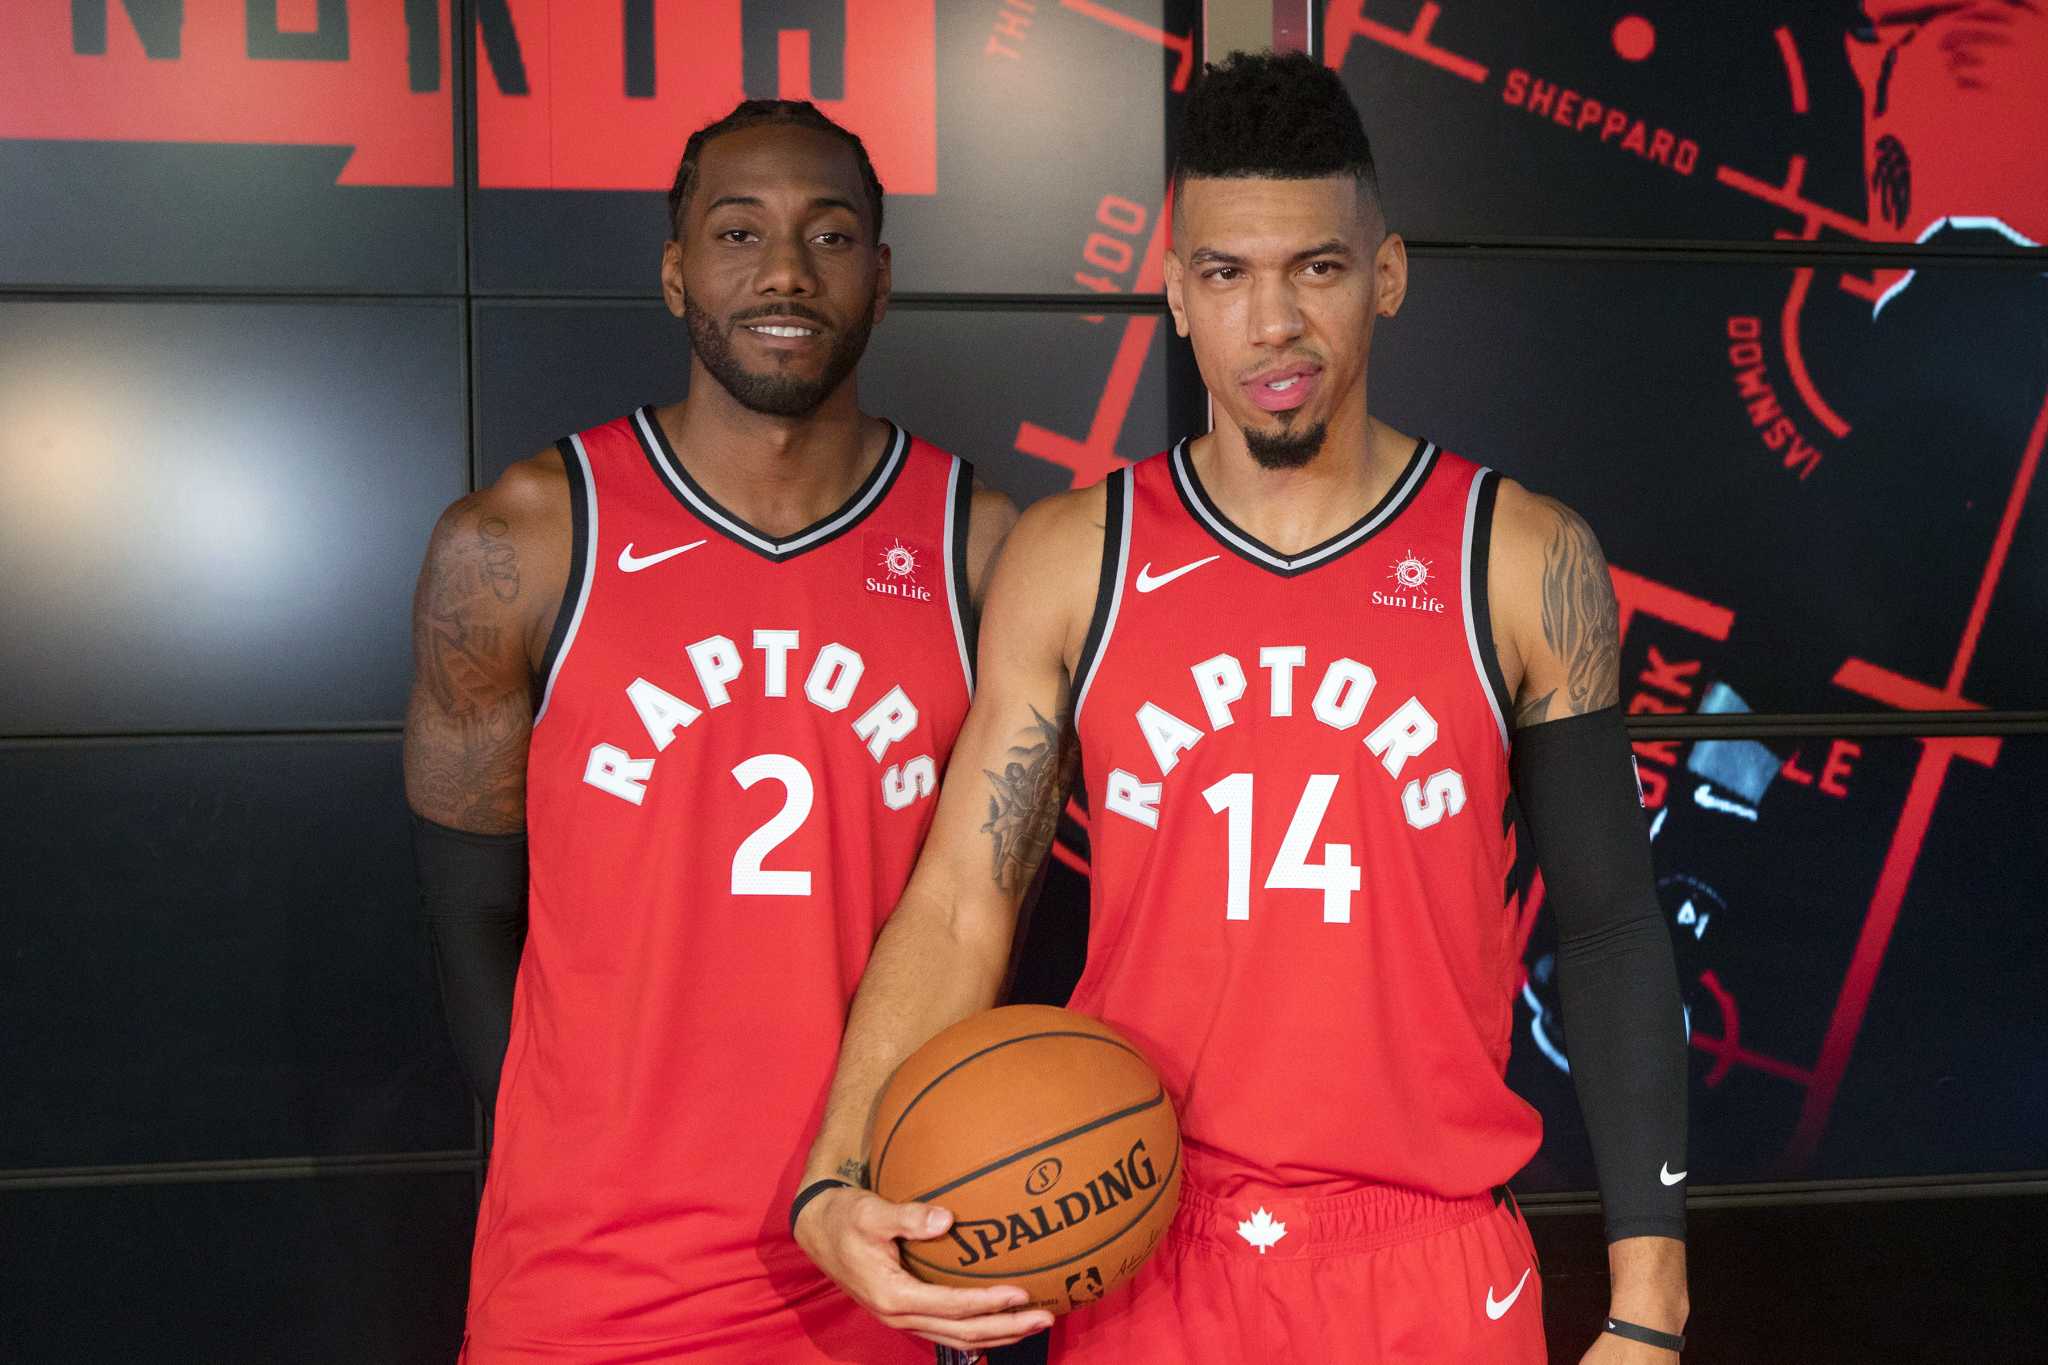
(195, 146)
(1862, 962)
(1840, 122)
(214, 952)
(1037, 401)
(334, 1271)
(214, 512)
(1010, 138)
(1829, 491)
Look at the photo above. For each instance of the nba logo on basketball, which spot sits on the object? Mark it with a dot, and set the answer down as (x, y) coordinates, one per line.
(897, 567)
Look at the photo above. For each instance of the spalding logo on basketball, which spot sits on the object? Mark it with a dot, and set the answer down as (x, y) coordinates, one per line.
(1049, 1138)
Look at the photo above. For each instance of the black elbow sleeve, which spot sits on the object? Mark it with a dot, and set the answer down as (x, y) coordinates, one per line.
(473, 896)
(1617, 977)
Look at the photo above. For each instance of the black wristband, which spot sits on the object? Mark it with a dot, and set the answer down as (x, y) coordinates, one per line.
(810, 1192)
(1649, 1336)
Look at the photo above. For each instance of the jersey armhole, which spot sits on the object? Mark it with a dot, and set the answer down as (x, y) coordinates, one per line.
(582, 565)
(1478, 616)
(1109, 588)
(959, 526)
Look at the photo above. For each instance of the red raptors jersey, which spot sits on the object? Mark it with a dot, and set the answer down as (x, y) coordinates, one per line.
(1298, 768)
(734, 762)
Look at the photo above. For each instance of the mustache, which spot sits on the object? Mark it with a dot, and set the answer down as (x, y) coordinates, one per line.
(1281, 363)
(779, 310)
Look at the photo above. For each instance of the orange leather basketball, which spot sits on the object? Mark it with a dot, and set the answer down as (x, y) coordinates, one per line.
(1049, 1138)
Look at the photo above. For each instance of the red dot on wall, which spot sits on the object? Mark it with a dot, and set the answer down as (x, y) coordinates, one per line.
(1635, 37)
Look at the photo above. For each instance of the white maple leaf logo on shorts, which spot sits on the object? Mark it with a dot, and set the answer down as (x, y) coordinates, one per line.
(1261, 1230)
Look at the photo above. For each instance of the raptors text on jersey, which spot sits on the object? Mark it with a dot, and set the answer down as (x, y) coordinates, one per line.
(734, 762)
(1299, 764)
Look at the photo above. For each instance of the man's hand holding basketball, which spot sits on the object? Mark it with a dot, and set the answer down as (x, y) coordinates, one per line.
(852, 1236)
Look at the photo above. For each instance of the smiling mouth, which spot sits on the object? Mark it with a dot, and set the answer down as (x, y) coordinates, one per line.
(768, 329)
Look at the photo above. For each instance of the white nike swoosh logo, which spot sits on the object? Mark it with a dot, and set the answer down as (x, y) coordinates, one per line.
(1147, 581)
(1493, 1309)
(1669, 1176)
(631, 563)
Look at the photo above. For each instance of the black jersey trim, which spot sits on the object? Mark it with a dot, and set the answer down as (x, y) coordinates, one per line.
(660, 454)
(582, 566)
(1478, 615)
(1250, 548)
(959, 525)
(1118, 494)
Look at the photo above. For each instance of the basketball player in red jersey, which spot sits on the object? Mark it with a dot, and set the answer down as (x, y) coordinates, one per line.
(686, 685)
(1304, 658)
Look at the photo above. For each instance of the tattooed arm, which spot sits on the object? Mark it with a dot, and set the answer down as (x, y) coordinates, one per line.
(943, 953)
(486, 600)
(1555, 627)
(481, 613)
(1553, 609)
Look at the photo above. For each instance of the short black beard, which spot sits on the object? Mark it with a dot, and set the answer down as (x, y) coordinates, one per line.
(1286, 449)
(774, 395)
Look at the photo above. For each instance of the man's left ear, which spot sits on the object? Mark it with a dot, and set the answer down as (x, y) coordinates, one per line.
(1390, 275)
(884, 281)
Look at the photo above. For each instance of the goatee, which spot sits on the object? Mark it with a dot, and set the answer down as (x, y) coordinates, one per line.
(1285, 449)
(774, 395)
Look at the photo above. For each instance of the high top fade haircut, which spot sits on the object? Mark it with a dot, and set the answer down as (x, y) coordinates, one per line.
(1272, 116)
(762, 113)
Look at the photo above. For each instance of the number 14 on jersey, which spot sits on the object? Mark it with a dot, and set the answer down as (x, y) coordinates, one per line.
(1336, 876)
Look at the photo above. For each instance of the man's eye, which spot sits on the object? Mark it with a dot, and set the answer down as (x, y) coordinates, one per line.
(833, 238)
(735, 235)
(1322, 269)
(1223, 272)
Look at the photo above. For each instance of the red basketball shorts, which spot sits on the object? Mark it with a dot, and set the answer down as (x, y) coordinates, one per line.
(1370, 1278)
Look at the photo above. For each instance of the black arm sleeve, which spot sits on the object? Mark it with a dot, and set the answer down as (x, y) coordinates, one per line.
(473, 894)
(1617, 978)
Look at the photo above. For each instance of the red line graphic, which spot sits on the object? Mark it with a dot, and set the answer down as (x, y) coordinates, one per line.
(1634, 593)
(1787, 196)
(1795, 70)
(1077, 815)
(1795, 360)
(1182, 44)
(1070, 858)
(1727, 1050)
(1339, 29)
(1853, 1002)
(1094, 457)
(2030, 462)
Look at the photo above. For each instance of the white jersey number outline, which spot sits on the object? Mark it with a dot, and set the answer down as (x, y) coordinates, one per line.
(749, 878)
(1336, 876)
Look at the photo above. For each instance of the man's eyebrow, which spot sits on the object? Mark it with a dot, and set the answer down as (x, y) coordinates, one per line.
(722, 200)
(833, 201)
(1209, 255)
(1333, 247)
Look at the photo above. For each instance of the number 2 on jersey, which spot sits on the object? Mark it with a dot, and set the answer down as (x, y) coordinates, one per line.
(749, 878)
(1336, 876)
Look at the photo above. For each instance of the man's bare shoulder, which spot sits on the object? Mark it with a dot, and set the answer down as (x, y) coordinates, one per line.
(1064, 527)
(1044, 586)
(1526, 523)
(991, 516)
(1553, 606)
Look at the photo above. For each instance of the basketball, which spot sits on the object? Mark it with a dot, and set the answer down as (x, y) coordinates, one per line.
(1051, 1140)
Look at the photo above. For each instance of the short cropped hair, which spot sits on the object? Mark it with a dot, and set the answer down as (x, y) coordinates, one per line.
(1272, 116)
(755, 114)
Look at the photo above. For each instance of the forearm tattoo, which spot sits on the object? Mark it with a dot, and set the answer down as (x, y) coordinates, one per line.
(1025, 797)
(854, 1171)
(466, 759)
(1580, 623)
